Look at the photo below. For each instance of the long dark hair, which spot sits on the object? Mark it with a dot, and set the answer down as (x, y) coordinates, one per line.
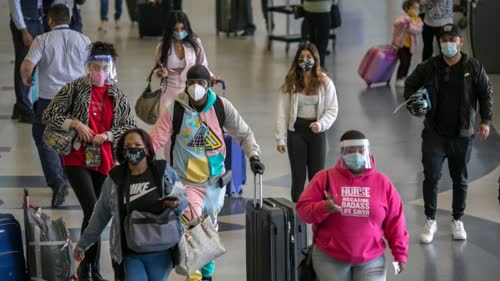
(103, 48)
(168, 33)
(294, 81)
(148, 143)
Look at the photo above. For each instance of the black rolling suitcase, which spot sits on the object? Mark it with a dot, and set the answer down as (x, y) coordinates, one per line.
(274, 238)
(151, 17)
(230, 16)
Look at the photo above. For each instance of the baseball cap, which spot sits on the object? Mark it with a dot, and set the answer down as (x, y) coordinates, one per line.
(449, 29)
(198, 71)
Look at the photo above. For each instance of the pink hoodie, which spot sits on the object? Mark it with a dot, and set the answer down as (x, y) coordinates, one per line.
(371, 210)
(403, 26)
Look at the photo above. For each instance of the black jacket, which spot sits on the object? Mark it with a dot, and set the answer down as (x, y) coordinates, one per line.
(477, 89)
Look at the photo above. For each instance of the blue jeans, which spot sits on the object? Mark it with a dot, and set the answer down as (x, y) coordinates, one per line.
(149, 267)
(50, 160)
(328, 268)
(105, 7)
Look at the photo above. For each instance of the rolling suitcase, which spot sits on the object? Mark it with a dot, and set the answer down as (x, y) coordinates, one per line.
(378, 65)
(274, 238)
(235, 161)
(230, 16)
(12, 266)
(151, 17)
(49, 251)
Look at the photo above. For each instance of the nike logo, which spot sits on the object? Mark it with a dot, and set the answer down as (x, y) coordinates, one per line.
(140, 189)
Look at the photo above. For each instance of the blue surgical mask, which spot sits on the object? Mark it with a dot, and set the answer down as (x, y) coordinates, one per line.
(180, 35)
(449, 49)
(354, 161)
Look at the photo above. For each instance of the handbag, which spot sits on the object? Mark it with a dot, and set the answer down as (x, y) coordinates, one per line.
(306, 269)
(298, 11)
(199, 245)
(59, 140)
(147, 106)
(146, 232)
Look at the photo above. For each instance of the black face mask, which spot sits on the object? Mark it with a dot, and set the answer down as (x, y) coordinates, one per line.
(134, 155)
(306, 65)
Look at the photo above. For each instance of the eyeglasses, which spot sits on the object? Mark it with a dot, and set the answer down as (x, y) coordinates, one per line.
(201, 82)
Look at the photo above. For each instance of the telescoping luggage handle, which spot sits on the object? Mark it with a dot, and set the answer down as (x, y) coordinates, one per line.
(223, 86)
(256, 199)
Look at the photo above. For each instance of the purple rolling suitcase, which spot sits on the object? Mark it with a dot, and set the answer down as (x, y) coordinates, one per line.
(378, 65)
(235, 161)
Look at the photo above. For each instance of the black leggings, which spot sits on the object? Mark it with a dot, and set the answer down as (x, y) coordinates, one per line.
(306, 150)
(87, 186)
(404, 56)
(428, 35)
(318, 28)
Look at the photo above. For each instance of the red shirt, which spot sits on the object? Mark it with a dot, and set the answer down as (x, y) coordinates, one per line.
(100, 121)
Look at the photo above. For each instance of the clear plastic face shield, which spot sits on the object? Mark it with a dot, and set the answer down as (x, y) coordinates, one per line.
(101, 69)
(356, 154)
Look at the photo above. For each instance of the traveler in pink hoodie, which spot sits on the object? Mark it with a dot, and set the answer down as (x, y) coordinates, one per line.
(406, 29)
(351, 214)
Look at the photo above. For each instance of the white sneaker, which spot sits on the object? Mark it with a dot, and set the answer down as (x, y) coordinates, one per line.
(458, 230)
(427, 235)
(400, 83)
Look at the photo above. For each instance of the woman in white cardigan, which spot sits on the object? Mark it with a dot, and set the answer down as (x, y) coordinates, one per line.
(307, 107)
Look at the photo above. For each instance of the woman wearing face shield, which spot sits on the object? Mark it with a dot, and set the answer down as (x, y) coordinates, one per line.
(307, 107)
(98, 110)
(178, 51)
(353, 208)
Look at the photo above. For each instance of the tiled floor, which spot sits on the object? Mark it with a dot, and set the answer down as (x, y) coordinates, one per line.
(254, 75)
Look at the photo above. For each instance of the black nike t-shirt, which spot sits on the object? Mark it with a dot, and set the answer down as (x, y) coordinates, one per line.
(144, 195)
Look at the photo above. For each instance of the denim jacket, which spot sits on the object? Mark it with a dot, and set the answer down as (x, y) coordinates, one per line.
(108, 207)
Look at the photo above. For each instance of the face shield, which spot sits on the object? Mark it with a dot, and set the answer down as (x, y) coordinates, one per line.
(101, 69)
(356, 154)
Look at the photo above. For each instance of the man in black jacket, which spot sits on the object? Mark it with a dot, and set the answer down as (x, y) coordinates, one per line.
(456, 84)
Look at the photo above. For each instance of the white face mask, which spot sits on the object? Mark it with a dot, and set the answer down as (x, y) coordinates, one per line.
(196, 92)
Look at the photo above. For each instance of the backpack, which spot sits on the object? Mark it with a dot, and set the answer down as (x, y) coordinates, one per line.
(179, 117)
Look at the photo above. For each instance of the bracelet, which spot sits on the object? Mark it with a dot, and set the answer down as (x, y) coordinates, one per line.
(78, 126)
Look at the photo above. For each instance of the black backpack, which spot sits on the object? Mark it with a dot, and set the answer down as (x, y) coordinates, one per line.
(179, 117)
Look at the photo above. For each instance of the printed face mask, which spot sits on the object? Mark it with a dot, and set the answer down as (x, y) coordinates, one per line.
(98, 78)
(196, 92)
(134, 155)
(449, 49)
(306, 65)
(180, 35)
(354, 161)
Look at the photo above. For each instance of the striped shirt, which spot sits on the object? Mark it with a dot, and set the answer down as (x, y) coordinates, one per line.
(60, 56)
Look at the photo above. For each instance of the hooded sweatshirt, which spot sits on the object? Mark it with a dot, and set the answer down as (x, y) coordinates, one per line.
(371, 210)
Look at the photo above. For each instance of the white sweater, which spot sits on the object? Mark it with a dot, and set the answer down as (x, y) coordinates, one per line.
(286, 113)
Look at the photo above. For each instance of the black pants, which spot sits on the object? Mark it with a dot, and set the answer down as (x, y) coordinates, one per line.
(23, 104)
(306, 152)
(404, 57)
(435, 149)
(87, 187)
(318, 28)
(428, 35)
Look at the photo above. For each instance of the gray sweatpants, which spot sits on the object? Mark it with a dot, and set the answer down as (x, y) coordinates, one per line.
(330, 269)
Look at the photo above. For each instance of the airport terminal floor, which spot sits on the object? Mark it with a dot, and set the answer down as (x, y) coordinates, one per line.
(253, 75)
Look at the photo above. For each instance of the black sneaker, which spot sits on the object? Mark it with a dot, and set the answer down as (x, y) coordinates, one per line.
(59, 196)
(15, 114)
(26, 118)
